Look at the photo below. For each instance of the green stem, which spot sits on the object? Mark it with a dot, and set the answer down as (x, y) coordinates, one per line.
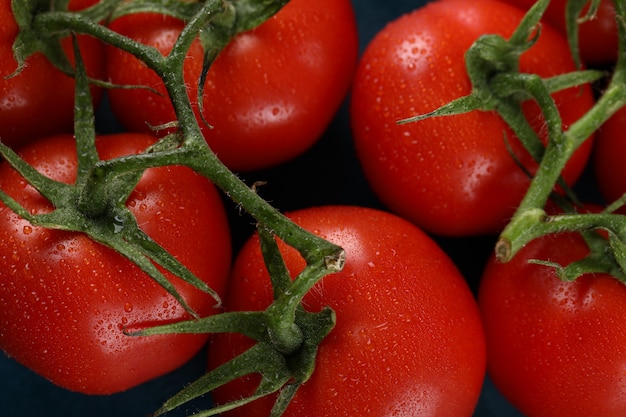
(285, 330)
(558, 152)
(542, 225)
(281, 315)
(322, 257)
(56, 21)
(194, 153)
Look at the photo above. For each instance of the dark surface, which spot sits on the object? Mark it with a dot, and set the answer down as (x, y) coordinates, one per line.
(328, 174)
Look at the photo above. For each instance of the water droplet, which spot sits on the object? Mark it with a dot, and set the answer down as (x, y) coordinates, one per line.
(118, 224)
(128, 307)
(27, 230)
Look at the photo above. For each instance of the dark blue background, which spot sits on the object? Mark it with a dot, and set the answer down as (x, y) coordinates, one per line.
(24, 394)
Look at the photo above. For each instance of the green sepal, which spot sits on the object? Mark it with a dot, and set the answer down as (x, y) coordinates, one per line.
(573, 10)
(32, 39)
(606, 256)
(492, 65)
(288, 358)
(280, 373)
(259, 359)
(601, 259)
(571, 272)
(223, 25)
(249, 323)
(315, 327)
(618, 252)
(29, 40)
(113, 225)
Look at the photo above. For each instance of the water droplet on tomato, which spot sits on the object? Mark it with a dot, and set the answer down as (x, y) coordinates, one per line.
(118, 224)
(128, 307)
(27, 230)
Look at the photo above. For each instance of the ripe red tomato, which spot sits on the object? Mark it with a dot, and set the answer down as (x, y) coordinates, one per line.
(65, 300)
(269, 95)
(408, 340)
(597, 38)
(40, 100)
(450, 175)
(555, 348)
(609, 149)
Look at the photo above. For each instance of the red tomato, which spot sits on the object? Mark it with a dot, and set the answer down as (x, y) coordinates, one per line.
(609, 150)
(270, 94)
(555, 348)
(65, 300)
(40, 100)
(408, 340)
(597, 37)
(450, 175)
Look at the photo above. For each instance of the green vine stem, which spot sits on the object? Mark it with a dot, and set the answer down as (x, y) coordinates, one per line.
(284, 365)
(530, 220)
(492, 64)
(194, 151)
(287, 335)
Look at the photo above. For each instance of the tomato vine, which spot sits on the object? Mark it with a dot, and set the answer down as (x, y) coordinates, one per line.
(531, 221)
(499, 86)
(95, 204)
(287, 334)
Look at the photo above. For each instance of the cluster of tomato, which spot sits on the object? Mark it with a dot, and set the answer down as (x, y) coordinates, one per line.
(411, 336)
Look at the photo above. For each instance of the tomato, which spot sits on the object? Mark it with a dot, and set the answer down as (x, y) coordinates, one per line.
(450, 175)
(408, 339)
(39, 101)
(269, 95)
(555, 348)
(597, 38)
(608, 163)
(66, 300)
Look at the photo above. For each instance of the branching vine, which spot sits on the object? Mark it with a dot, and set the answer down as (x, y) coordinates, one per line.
(287, 335)
(96, 200)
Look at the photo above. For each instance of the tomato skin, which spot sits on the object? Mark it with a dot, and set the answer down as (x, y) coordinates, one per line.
(609, 150)
(408, 340)
(449, 175)
(598, 39)
(555, 348)
(269, 95)
(39, 101)
(65, 300)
